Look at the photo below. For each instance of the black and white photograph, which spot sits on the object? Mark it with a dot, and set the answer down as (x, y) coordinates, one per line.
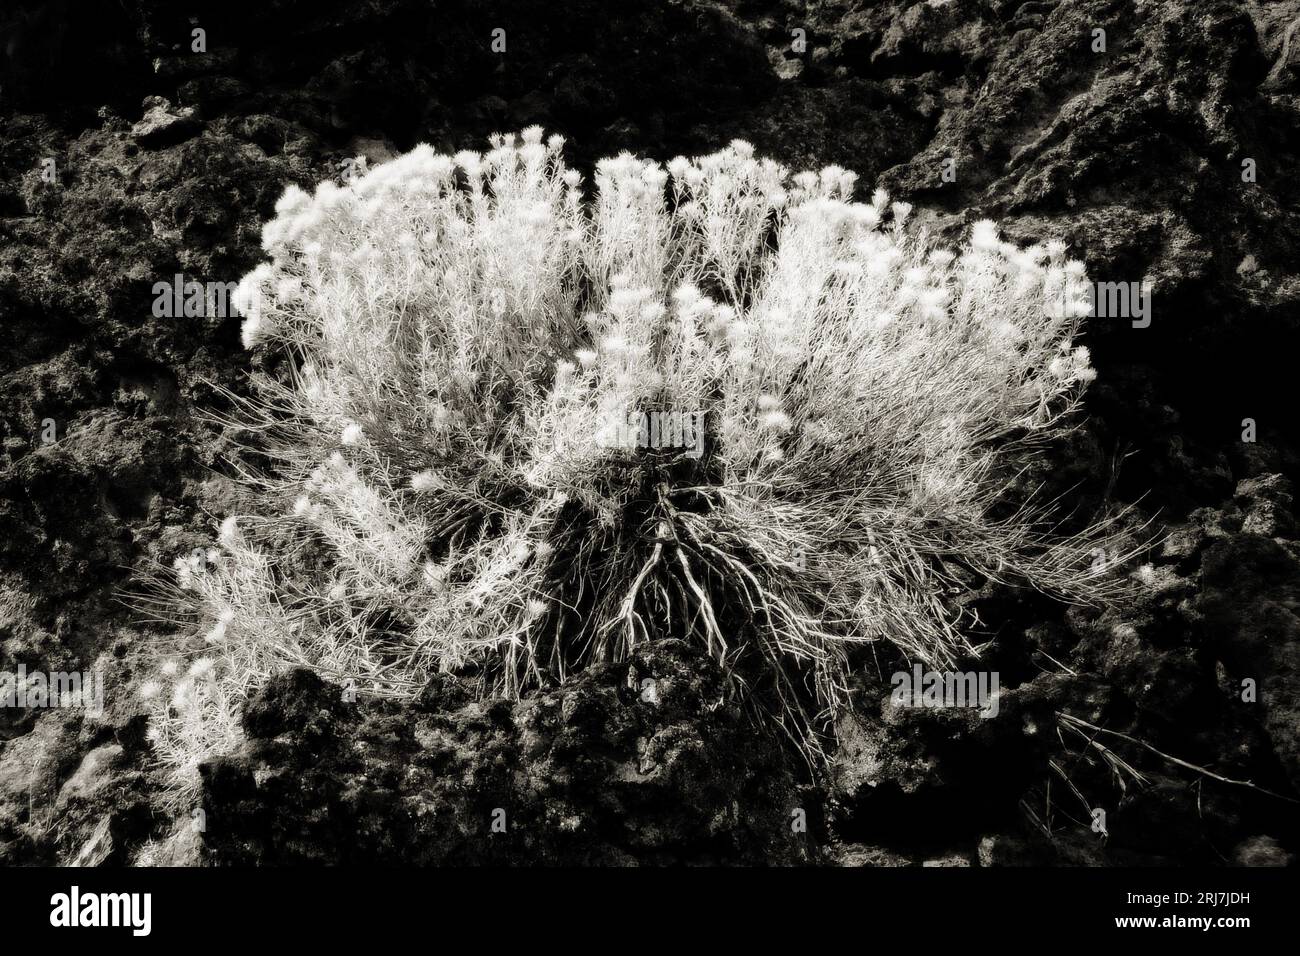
(831, 435)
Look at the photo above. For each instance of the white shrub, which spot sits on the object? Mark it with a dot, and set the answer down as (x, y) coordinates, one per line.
(462, 331)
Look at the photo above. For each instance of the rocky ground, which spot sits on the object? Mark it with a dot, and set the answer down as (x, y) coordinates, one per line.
(165, 161)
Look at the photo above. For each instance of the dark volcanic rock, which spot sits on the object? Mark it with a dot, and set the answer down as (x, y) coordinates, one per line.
(1250, 612)
(1187, 764)
(162, 125)
(599, 771)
